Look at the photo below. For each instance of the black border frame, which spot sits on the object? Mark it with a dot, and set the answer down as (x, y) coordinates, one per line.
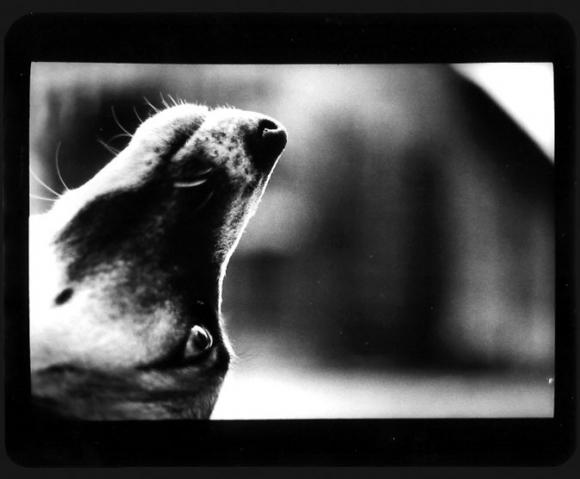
(290, 38)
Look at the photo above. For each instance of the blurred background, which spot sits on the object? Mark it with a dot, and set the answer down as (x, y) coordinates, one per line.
(401, 263)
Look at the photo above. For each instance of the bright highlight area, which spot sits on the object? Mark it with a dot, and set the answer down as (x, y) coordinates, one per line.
(513, 85)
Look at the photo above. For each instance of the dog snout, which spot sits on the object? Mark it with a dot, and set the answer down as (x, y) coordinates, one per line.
(266, 141)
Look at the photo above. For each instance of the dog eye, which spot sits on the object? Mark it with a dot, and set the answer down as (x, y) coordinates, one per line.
(199, 178)
(199, 341)
(189, 184)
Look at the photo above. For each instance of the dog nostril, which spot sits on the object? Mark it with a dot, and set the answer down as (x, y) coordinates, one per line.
(267, 142)
(267, 126)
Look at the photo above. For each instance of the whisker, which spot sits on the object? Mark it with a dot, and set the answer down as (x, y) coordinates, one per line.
(156, 110)
(172, 100)
(120, 135)
(56, 162)
(165, 104)
(42, 182)
(119, 123)
(204, 202)
(109, 148)
(137, 114)
(36, 197)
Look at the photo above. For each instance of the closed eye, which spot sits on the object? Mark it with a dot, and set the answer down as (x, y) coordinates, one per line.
(189, 184)
(200, 178)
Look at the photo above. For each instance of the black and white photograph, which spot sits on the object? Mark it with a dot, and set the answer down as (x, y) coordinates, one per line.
(264, 239)
(387, 232)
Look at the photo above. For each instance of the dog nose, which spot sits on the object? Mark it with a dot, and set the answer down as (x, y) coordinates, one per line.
(266, 142)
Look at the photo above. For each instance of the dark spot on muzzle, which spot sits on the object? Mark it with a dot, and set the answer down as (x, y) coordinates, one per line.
(266, 142)
(63, 296)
